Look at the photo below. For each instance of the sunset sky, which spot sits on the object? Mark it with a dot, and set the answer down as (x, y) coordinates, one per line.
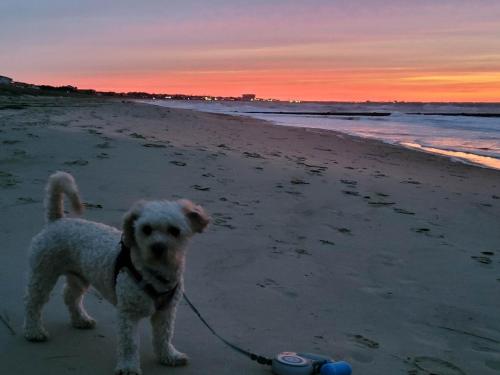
(446, 50)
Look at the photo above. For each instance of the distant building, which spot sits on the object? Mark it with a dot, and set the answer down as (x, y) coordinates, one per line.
(25, 85)
(5, 80)
(248, 97)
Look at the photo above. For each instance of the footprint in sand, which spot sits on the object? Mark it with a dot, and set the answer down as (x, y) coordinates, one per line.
(381, 204)
(349, 182)
(153, 145)
(316, 172)
(302, 252)
(327, 242)
(351, 192)
(225, 147)
(8, 180)
(103, 145)
(137, 135)
(79, 162)
(432, 365)
(298, 181)
(19, 153)
(254, 155)
(178, 163)
(411, 182)
(364, 341)
(11, 141)
(92, 205)
(344, 230)
(422, 230)
(102, 155)
(403, 211)
(200, 188)
(222, 220)
(276, 286)
(267, 282)
(27, 200)
(482, 259)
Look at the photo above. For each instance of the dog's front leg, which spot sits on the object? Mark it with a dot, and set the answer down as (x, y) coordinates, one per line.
(162, 323)
(128, 345)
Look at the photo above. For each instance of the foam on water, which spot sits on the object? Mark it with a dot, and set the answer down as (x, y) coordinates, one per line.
(475, 140)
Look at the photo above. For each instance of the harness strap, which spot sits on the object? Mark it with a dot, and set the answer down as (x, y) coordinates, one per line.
(124, 261)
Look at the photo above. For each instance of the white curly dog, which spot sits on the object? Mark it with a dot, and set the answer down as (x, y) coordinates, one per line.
(140, 271)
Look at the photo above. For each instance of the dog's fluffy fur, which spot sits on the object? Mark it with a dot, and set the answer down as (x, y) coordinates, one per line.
(85, 253)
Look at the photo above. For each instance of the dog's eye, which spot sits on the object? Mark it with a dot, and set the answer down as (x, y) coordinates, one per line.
(174, 231)
(147, 230)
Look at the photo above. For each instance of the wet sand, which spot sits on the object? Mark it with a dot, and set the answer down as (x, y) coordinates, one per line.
(322, 242)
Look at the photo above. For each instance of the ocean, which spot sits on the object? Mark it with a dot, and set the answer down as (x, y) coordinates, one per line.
(468, 132)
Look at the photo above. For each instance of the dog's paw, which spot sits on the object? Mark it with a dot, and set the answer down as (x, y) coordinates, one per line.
(83, 323)
(127, 370)
(36, 334)
(174, 359)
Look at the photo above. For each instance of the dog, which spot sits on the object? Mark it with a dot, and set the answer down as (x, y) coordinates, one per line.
(139, 270)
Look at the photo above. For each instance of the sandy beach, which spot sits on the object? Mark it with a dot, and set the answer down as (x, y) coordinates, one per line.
(320, 242)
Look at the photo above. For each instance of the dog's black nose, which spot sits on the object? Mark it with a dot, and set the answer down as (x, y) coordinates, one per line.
(158, 249)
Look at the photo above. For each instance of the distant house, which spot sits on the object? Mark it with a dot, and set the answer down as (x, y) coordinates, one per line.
(5, 80)
(25, 85)
(248, 97)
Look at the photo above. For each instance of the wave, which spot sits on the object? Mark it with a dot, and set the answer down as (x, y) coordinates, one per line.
(435, 127)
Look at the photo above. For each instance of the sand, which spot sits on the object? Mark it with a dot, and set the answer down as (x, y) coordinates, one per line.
(384, 257)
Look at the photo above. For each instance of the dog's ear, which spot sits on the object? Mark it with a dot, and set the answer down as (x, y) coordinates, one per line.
(196, 215)
(128, 223)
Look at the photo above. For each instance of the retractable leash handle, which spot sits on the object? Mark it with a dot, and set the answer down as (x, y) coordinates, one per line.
(291, 363)
(286, 363)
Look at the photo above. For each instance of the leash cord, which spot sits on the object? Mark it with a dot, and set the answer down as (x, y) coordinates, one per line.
(254, 357)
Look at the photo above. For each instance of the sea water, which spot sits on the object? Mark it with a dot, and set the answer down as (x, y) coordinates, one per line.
(421, 126)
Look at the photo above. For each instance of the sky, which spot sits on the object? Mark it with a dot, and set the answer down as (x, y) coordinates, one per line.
(352, 50)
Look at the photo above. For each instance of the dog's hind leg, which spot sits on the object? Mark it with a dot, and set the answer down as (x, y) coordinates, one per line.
(39, 287)
(74, 291)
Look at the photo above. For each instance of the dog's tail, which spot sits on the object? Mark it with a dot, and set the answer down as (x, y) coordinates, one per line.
(60, 184)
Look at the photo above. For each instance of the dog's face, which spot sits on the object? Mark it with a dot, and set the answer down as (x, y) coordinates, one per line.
(158, 230)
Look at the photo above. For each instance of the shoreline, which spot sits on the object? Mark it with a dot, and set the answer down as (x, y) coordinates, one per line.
(467, 158)
(386, 257)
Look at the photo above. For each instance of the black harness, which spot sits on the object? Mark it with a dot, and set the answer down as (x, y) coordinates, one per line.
(124, 261)
(163, 300)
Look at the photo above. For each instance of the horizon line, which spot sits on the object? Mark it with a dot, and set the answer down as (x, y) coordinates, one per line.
(393, 101)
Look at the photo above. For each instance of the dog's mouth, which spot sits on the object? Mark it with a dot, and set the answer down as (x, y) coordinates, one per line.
(157, 275)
